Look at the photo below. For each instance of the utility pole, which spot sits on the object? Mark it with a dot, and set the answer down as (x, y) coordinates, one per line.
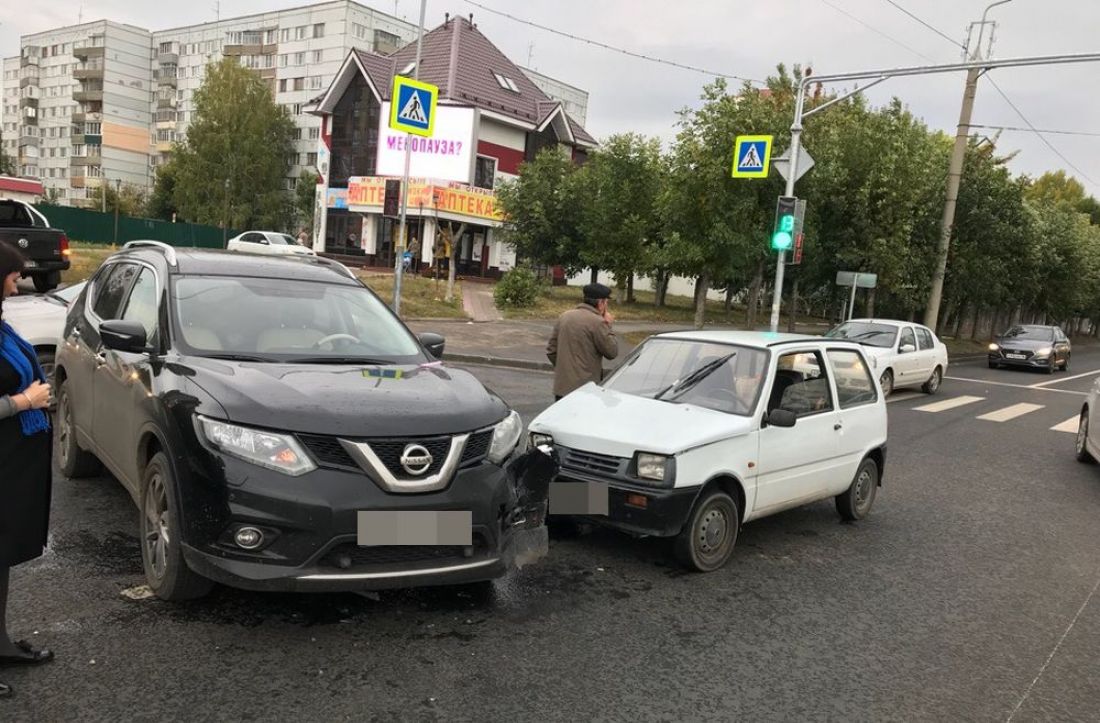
(118, 190)
(954, 176)
(399, 242)
(225, 222)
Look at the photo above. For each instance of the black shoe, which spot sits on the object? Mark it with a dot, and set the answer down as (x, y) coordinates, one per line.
(5, 691)
(29, 656)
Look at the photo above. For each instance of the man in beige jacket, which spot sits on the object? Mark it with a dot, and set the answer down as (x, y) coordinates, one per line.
(581, 340)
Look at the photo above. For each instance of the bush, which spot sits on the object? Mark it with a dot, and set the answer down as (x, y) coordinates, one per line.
(518, 288)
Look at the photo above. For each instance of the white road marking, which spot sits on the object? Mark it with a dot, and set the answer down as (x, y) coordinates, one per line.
(1016, 386)
(1059, 380)
(948, 404)
(1070, 425)
(1011, 412)
(903, 397)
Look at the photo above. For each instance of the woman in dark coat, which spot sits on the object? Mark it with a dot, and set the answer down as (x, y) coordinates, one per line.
(25, 463)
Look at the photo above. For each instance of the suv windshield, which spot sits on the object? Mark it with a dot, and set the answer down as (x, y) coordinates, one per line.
(723, 377)
(287, 320)
(1030, 333)
(881, 335)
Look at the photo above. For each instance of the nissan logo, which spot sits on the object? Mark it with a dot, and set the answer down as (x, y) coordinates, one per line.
(24, 243)
(416, 459)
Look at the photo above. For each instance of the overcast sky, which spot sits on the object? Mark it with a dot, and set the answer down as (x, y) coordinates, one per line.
(742, 38)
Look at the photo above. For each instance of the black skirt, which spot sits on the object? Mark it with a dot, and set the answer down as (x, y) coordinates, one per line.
(25, 483)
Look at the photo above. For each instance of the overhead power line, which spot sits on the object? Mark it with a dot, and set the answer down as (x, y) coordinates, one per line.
(1032, 130)
(934, 29)
(873, 29)
(605, 46)
(1039, 133)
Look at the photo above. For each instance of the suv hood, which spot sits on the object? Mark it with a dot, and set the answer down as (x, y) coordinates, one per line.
(594, 419)
(347, 400)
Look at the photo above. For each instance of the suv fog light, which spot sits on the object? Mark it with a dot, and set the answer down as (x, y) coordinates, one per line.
(248, 538)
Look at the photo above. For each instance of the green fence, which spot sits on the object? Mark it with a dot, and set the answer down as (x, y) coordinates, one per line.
(94, 227)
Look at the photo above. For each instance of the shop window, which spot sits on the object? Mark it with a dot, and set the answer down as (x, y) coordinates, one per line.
(485, 171)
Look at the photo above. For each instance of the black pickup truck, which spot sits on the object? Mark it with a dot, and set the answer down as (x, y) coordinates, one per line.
(46, 249)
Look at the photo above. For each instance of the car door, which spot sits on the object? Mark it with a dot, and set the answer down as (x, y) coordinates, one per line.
(906, 361)
(800, 463)
(926, 354)
(122, 383)
(103, 302)
(861, 415)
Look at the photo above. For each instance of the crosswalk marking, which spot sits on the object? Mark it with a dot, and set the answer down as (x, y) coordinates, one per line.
(1070, 425)
(948, 404)
(1010, 412)
(903, 396)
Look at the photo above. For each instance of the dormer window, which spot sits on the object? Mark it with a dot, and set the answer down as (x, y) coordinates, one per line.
(505, 82)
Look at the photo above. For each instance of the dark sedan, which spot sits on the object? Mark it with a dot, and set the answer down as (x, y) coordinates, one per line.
(1032, 346)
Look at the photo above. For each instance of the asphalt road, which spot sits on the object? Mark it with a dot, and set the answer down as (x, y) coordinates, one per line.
(967, 595)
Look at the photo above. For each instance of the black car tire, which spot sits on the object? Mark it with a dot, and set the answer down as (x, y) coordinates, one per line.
(855, 502)
(708, 538)
(1083, 434)
(933, 384)
(886, 381)
(1052, 367)
(166, 571)
(47, 281)
(994, 365)
(73, 461)
(1065, 364)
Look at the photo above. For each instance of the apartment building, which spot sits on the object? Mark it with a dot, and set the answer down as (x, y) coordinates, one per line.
(104, 100)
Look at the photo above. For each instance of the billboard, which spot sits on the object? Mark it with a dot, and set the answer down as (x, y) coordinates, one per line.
(448, 155)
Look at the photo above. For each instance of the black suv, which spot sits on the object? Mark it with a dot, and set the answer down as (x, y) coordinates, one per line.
(280, 429)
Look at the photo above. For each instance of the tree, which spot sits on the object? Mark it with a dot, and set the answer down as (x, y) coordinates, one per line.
(130, 200)
(52, 195)
(162, 201)
(305, 199)
(7, 164)
(541, 211)
(231, 167)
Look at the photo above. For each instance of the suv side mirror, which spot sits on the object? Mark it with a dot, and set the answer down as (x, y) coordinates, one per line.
(907, 349)
(127, 336)
(781, 418)
(434, 343)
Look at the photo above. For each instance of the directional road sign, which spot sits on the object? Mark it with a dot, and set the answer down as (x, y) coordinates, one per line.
(751, 156)
(857, 279)
(412, 108)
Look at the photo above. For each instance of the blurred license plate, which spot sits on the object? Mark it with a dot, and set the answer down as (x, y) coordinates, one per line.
(1015, 356)
(30, 264)
(415, 527)
(578, 498)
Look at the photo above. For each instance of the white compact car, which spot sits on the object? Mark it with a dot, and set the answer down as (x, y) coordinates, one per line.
(903, 354)
(268, 242)
(1088, 441)
(40, 319)
(698, 432)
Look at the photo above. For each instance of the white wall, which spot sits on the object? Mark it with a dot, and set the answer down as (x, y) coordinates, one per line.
(677, 286)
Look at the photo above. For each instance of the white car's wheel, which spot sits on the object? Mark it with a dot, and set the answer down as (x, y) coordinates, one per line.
(887, 383)
(1082, 447)
(933, 384)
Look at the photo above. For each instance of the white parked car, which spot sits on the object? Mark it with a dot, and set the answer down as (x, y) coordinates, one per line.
(698, 432)
(903, 354)
(268, 242)
(40, 319)
(1088, 427)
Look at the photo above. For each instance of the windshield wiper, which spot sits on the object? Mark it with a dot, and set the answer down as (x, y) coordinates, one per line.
(237, 357)
(696, 376)
(340, 360)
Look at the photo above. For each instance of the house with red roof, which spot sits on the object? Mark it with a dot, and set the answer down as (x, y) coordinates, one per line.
(490, 118)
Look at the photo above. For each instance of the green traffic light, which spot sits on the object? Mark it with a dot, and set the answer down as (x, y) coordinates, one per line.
(782, 240)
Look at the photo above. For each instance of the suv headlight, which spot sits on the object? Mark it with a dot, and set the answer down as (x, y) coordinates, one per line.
(654, 467)
(280, 452)
(506, 436)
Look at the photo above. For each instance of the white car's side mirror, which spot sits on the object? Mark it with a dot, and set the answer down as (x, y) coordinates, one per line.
(907, 348)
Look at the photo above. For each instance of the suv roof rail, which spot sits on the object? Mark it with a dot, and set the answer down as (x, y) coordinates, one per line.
(168, 249)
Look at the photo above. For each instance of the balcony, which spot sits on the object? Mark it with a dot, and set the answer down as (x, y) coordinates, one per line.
(89, 95)
(92, 48)
(166, 79)
(164, 146)
(86, 181)
(26, 139)
(81, 117)
(29, 77)
(89, 71)
(168, 57)
(28, 61)
(243, 49)
(78, 162)
(28, 102)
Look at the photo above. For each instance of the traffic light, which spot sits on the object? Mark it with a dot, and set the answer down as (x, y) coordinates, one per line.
(391, 204)
(783, 236)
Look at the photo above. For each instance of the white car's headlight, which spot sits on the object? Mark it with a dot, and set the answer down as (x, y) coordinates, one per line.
(1045, 351)
(280, 452)
(652, 466)
(506, 436)
(538, 439)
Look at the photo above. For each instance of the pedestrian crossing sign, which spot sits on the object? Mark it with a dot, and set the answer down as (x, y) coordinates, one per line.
(752, 156)
(412, 106)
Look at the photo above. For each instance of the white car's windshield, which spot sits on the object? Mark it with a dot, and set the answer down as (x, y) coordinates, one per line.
(717, 376)
(287, 320)
(69, 293)
(880, 335)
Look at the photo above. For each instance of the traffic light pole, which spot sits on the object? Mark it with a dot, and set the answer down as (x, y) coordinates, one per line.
(399, 242)
(876, 77)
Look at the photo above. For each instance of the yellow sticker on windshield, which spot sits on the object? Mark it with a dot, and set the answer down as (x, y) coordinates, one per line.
(383, 373)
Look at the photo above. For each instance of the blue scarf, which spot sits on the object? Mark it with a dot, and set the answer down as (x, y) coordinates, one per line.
(21, 356)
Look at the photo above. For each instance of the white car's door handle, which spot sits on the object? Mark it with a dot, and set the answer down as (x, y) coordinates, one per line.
(837, 427)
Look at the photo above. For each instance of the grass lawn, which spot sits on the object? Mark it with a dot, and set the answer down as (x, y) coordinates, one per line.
(420, 297)
(84, 261)
(678, 309)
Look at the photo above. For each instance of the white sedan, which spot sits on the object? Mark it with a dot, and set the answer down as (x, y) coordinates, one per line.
(698, 432)
(1088, 432)
(271, 243)
(903, 354)
(40, 319)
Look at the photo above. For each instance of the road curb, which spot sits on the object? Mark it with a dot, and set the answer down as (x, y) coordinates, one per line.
(497, 361)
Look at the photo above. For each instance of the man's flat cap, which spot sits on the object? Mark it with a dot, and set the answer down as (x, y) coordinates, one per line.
(597, 291)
